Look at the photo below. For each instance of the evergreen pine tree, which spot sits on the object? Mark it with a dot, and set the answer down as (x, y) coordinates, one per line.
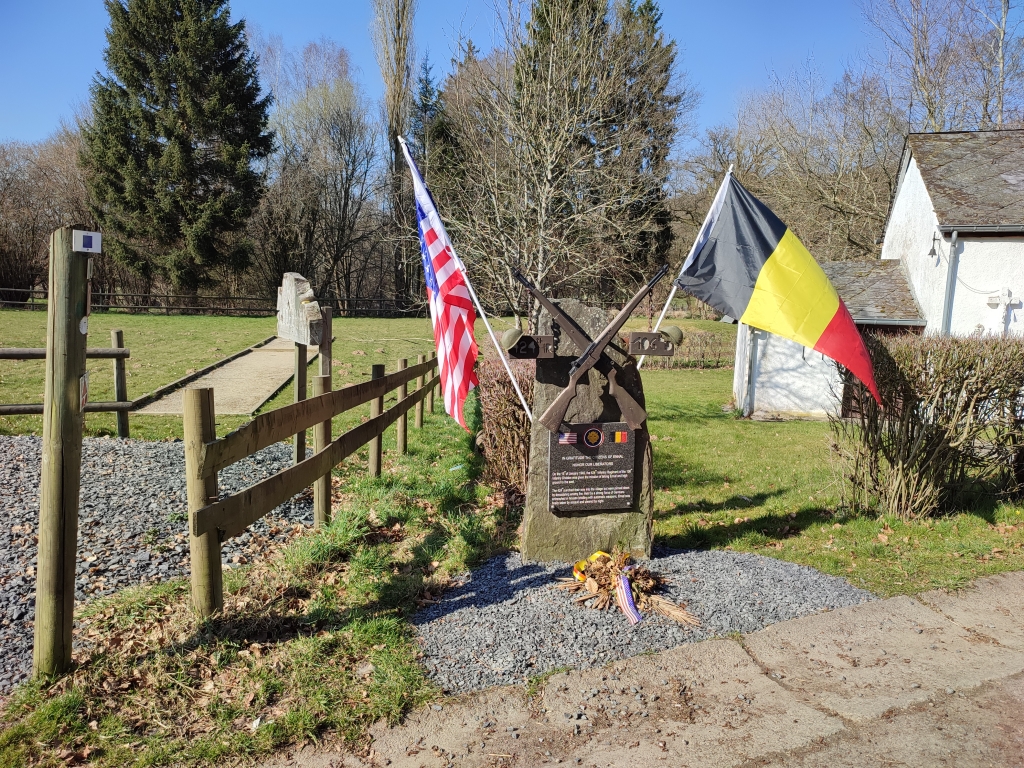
(177, 125)
(424, 108)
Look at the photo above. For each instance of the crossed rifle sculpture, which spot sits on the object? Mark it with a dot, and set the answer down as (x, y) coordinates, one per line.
(594, 355)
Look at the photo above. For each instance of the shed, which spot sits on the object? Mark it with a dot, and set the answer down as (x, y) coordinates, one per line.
(778, 378)
(952, 263)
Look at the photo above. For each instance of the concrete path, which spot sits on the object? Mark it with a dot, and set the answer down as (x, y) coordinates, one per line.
(241, 386)
(931, 681)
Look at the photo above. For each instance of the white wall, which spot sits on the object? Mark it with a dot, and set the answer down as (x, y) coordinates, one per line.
(986, 265)
(908, 238)
(790, 381)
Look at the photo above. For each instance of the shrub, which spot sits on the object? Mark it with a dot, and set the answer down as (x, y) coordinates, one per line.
(950, 428)
(505, 429)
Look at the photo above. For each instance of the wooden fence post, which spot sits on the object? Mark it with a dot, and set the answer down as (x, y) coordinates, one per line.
(402, 428)
(207, 578)
(120, 383)
(322, 439)
(62, 456)
(430, 394)
(419, 385)
(376, 409)
(322, 432)
(299, 381)
(325, 343)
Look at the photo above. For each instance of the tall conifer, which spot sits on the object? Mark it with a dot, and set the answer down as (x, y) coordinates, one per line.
(177, 125)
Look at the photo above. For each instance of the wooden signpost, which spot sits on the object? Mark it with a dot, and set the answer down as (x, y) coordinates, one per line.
(67, 325)
(300, 320)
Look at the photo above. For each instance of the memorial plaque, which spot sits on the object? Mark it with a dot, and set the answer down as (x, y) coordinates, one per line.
(590, 467)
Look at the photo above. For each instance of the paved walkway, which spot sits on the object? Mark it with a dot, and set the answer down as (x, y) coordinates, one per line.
(241, 386)
(931, 681)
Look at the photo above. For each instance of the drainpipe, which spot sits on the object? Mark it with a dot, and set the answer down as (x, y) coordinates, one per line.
(751, 373)
(947, 306)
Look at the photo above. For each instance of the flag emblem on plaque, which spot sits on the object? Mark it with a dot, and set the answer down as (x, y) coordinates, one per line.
(567, 438)
(593, 437)
(620, 437)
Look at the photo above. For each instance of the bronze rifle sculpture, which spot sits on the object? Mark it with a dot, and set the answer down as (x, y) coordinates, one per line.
(593, 357)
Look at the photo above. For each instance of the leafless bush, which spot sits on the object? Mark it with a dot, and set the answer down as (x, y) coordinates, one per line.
(952, 425)
(505, 433)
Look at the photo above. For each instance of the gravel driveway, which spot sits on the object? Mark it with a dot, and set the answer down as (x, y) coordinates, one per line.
(132, 525)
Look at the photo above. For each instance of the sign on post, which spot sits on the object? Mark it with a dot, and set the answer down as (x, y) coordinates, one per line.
(298, 313)
(86, 242)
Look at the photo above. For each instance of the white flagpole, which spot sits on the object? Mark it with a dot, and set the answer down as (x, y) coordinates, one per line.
(696, 242)
(494, 341)
(483, 315)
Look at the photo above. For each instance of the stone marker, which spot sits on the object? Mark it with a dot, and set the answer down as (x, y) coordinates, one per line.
(575, 530)
(298, 314)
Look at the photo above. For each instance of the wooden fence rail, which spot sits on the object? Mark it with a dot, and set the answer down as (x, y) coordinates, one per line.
(213, 520)
(118, 353)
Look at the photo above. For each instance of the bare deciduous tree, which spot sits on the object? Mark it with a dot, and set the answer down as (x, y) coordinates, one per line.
(392, 32)
(554, 165)
(316, 217)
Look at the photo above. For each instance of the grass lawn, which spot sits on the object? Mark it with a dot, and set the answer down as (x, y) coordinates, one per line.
(167, 348)
(771, 488)
(315, 640)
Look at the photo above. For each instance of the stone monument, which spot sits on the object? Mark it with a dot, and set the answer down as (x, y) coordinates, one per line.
(589, 485)
(298, 314)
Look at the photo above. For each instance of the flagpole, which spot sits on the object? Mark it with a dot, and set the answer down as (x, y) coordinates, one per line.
(483, 316)
(672, 293)
(494, 341)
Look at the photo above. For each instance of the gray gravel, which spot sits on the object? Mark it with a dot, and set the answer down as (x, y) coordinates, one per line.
(506, 622)
(132, 526)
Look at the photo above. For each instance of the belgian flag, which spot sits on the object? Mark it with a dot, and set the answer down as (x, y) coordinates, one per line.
(748, 264)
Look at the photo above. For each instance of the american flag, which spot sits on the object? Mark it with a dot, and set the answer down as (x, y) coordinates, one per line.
(451, 306)
(567, 438)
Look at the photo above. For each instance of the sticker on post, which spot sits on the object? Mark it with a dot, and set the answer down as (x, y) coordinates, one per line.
(83, 325)
(86, 242)
(83, 391)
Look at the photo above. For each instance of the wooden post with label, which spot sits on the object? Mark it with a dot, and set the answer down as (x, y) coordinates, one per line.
(67, 325)
(299, 320)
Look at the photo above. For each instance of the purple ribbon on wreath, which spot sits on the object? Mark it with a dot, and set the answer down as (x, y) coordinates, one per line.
(624, 598)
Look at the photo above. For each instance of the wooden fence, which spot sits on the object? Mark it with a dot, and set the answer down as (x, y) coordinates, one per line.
(213, 519)
(235, 306)
(116, 352)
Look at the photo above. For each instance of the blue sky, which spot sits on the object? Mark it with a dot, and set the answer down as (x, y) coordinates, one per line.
(52, 48)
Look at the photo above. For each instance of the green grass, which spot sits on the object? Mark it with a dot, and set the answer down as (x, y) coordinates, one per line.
(314, 641)
(771, 488)
(166, 348)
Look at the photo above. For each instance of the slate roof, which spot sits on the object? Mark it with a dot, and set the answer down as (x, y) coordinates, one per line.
(974, 178)
(875, 292)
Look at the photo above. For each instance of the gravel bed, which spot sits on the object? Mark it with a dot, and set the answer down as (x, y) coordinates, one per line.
(132, 525)
(506, 623)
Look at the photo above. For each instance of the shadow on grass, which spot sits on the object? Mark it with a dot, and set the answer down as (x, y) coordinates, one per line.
(760, 530)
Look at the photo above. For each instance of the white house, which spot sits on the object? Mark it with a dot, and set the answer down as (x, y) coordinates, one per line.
(952, 262)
